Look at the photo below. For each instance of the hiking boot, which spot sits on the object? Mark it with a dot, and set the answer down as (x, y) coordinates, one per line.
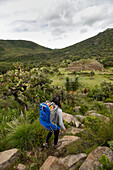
(45, 145)
(58, 144)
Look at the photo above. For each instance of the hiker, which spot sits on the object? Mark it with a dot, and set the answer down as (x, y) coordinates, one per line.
(85, 90)
(58, 119)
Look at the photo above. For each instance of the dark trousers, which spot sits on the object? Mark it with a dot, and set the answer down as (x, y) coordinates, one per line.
(56, 134)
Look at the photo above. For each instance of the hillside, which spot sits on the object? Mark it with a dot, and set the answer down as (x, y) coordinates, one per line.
(99, 47)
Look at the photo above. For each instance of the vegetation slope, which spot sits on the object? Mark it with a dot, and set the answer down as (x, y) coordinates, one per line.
(99, 47)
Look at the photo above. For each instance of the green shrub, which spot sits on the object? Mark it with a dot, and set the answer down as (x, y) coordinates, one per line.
(98, 130)
(110, 144)
(105, 163)
(24, 135)
(83, 109)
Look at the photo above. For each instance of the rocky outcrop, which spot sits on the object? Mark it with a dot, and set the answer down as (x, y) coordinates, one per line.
(53, 163)
(71, 119)
(8, 158)
(85, 65)
(80, 117)
(104, 118)
(67, 140)
(73, 161)
(73, 130)
(92, 163)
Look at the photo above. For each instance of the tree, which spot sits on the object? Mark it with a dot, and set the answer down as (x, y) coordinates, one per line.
(92, 73)
(24, 85)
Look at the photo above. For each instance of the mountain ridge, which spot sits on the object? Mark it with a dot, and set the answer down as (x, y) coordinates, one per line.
(99, 47)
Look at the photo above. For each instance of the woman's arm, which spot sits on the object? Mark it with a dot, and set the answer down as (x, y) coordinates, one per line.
(61, 120)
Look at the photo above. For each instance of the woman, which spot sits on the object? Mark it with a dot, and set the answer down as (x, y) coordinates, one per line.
(59, 121)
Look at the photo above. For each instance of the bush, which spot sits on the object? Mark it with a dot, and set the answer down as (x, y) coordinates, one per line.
(83, 109)
(24, 135)
(110, 144)
(98, 130)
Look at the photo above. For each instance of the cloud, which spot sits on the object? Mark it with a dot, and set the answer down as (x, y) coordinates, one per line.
(59, 21)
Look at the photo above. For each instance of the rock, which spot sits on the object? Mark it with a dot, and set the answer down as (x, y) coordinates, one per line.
(70, 118)
(92, 163)
(111, 78)
(66, 140)
(106, 119)
(80, 117)
(28, 154)
(21, 167)
(76, 108)
(53, 163)
(109, 105)
(73, 130)
(8, 158)
(73, 161)
(91, 111)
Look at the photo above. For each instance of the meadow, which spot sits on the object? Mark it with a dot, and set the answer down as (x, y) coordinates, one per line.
(84, 77)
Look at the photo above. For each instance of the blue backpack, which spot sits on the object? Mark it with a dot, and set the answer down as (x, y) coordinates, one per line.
(47, 116)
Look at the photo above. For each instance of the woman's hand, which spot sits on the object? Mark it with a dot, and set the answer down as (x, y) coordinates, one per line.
(64, 130)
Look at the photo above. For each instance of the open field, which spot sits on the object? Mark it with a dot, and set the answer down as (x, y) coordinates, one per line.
(84, 77)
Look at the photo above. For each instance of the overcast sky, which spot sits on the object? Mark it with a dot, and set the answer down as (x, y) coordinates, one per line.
(54, 23)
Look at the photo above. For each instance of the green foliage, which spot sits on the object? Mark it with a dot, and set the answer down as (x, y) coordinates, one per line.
(105, 163)
(110, 144)
(99, 130)
(102, 92)
(83, 109)
(108, 61)
(24, 135)
(67, 84)
(25, 85)
(72, 85)
(92, 73)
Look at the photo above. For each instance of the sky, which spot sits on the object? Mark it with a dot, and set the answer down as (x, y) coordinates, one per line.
(54, 23)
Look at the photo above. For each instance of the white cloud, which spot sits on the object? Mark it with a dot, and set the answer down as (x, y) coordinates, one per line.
(54, 23)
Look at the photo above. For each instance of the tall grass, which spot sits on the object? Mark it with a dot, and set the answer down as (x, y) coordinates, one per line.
(24, 135)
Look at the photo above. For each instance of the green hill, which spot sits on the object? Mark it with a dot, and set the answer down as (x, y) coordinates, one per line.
(99, 47)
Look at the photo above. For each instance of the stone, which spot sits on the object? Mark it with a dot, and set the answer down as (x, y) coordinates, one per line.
(73, 161)
(80, 117)
(73, 130)
(91, 111)
(109, 105)
(70, 118)
(92, 163)
(8, 158)
(21, 167)
(76, 109)
(53, 163)
(67, 140)
(106, 119)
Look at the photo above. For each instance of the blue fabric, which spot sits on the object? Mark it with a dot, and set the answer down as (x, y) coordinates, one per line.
(45, 118)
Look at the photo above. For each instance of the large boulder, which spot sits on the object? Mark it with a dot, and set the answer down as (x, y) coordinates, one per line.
(73, 161)
(106, 119)
(73, 130)
(71, 119)
(92, 163)
(80, 117)
(8, 158)
(67, 140)
(53, 163)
